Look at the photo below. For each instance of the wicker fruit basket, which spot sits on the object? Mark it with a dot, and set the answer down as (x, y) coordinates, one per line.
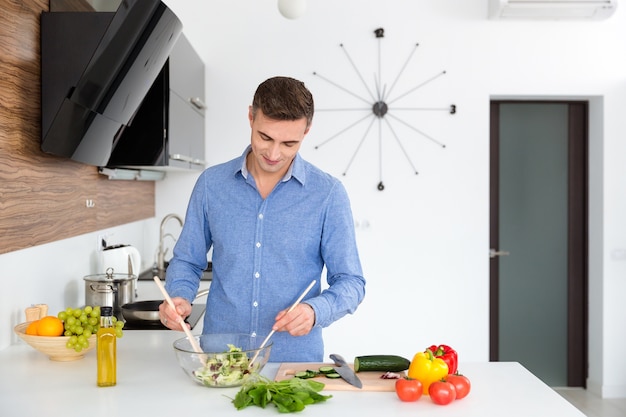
(54, 347)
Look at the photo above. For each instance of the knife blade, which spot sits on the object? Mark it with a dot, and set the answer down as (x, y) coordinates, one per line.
(345, 371)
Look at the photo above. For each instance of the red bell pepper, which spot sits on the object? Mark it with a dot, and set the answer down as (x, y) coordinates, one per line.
(448, 355)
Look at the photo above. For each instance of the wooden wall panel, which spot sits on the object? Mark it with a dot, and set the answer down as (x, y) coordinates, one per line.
(120, 202)
(43, 197)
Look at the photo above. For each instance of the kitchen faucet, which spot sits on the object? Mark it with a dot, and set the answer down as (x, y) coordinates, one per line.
(161, 254)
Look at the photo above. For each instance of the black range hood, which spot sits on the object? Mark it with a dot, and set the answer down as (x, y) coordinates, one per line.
(96, 68)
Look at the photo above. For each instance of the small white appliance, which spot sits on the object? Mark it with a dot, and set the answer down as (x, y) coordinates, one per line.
(124, 259)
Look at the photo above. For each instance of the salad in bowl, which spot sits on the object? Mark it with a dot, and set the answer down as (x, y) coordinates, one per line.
(226, 360)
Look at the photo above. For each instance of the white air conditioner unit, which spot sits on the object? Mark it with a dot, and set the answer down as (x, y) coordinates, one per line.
(552, 9)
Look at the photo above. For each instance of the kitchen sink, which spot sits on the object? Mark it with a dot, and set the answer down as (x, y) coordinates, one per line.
(207, 274)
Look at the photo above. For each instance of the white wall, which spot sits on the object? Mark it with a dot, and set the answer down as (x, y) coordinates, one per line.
(424, 239)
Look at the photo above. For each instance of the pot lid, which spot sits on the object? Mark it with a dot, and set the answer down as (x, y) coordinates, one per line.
(109, 276)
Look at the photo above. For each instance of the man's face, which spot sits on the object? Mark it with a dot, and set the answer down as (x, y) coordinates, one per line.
(275, 142)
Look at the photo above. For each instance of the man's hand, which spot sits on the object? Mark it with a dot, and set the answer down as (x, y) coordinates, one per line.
(297, 322)
(170, 318)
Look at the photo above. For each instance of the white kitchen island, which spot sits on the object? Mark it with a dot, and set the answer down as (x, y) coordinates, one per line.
(150, 383)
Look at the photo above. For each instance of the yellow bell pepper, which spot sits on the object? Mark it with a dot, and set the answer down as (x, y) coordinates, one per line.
(427, 368)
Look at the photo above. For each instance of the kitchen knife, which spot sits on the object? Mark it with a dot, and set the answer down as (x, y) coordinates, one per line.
(345, 371)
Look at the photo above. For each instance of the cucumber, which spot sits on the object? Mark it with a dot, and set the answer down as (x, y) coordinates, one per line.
(326, 370)
(381, 363)
(332, 375)
(306, 374)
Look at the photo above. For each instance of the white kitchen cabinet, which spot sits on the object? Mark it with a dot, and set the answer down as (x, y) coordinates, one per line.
(168, 131)
(186, 106)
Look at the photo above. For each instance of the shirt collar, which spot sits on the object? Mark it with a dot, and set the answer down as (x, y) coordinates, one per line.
(296, 169)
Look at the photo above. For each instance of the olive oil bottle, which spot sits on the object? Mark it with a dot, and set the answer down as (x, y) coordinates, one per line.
(106, 349)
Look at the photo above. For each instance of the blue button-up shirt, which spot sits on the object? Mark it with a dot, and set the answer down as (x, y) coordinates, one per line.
(267, 251)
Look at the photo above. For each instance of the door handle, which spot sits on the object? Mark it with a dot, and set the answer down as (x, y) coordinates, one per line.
(197, 102)
(185, 158)
(493, 253)
(182, 158)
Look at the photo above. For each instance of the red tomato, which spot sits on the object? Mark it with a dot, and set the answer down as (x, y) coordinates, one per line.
(461, 384)
(409, 389)
(442, 392)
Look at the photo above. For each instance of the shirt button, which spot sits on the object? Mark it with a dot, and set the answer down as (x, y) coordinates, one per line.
(258, 244)
(256, 275)
(255, 304)
(261, 216)
(253, 334)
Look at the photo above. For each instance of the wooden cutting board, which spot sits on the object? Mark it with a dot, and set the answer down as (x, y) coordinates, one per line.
(371, 380)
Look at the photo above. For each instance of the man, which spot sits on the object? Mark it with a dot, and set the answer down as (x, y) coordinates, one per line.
(274, 222)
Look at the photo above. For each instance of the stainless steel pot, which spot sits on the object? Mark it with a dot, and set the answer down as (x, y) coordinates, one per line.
(110, 289)
(147, 312)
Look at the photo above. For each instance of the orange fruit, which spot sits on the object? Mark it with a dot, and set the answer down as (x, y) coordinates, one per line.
(50, 326)
(32, 328)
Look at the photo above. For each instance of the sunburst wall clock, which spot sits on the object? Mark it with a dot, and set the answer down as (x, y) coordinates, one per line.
(380, 108)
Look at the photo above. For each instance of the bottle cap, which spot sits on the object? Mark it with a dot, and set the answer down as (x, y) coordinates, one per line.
(106, 311)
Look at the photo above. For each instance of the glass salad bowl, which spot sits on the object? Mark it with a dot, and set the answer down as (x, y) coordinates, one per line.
(227, 360)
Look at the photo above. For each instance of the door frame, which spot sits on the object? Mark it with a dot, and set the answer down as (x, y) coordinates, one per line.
(577, 263)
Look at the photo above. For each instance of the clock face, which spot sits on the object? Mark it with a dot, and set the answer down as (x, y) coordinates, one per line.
(381, 110)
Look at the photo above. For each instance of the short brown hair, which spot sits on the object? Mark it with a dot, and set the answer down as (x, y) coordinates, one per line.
(283, 98)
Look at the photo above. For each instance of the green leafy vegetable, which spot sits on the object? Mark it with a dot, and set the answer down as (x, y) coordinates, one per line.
(289, 396)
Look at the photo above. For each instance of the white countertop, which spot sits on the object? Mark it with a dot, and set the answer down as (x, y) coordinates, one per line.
(150, 383)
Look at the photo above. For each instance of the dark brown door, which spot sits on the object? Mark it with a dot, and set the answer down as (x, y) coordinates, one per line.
(538, 238)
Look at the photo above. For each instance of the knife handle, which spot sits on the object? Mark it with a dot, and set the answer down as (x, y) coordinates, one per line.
(338, 359)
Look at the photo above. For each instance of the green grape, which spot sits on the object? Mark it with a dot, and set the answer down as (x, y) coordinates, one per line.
(119, 332)
(119, 324)
(82, 323)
